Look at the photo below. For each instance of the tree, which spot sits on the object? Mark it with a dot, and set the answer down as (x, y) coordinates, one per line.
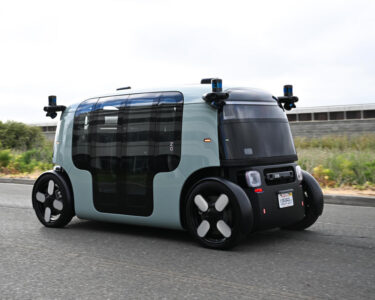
(19, 136)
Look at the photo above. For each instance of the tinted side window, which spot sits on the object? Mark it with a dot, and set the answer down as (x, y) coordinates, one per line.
(81, 134)
(106, 152)
(124, 142)
(138, 154)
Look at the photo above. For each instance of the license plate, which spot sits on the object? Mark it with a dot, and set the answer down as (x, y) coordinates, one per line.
(285, 199)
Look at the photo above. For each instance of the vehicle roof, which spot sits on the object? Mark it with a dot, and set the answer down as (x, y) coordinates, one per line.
(194, 93)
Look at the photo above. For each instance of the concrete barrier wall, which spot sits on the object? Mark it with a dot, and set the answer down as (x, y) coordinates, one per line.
(321, 128)
(50, 135)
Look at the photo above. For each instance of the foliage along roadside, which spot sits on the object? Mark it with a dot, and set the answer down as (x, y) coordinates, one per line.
(339, 160)
(23, 149)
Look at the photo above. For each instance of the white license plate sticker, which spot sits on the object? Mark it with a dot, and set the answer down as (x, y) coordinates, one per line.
(286, 199)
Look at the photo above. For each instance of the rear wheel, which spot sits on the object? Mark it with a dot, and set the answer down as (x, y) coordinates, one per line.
(213, 215)
(52, 200)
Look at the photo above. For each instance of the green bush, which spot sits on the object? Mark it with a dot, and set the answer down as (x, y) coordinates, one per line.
(5, 158)
(27, 149)
(337, 161)
(22, 166)
(33, 159)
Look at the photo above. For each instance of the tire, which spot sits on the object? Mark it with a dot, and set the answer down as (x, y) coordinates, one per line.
(313, 200)
(218, 213)
(52, 200)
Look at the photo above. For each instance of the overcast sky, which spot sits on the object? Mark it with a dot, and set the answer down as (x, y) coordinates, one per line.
(78, 49)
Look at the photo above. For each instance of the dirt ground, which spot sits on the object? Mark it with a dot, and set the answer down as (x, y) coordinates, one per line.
(33, 175)
(348, 191)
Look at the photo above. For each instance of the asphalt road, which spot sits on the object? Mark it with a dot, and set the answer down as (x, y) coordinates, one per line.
(335, 259)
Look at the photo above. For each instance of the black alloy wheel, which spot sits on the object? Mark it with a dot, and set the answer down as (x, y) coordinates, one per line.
(52, 200)
(213, 216)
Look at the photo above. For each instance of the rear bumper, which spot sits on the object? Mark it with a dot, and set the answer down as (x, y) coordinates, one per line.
(266, 209)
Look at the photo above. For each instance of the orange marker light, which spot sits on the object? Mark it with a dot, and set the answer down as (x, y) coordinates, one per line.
(258, 190)
(207, 140)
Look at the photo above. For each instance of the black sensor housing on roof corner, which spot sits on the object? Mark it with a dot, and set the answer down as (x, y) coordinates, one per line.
(288, 99)
(217, 97)
(52, 108)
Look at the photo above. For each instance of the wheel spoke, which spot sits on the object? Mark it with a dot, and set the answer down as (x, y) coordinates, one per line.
(221, 202)
(47, 214)
(40, 197)
(203, 228)
(57, 204)
(51, 187)
(224, 228)
(201, 203)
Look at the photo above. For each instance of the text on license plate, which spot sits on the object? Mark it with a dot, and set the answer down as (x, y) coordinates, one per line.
(285, 199)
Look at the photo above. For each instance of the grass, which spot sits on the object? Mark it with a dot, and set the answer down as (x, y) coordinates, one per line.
(15, 162)
(339, 161)
(342, 143)
(23, 149)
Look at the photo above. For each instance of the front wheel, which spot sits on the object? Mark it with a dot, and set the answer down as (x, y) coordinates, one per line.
(218, 213)
(313, 199)
(52, 200)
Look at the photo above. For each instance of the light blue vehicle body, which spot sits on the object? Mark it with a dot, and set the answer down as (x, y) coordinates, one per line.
(200, 121)
(217, 162)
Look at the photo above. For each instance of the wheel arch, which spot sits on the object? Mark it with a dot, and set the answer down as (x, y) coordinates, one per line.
(63, 176)
(244, 203)
(315, 192)
(189, 184)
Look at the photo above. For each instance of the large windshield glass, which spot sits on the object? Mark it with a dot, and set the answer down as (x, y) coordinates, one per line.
(257, 132)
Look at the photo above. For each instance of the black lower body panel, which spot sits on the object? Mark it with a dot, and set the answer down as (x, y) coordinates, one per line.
(267, 210)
